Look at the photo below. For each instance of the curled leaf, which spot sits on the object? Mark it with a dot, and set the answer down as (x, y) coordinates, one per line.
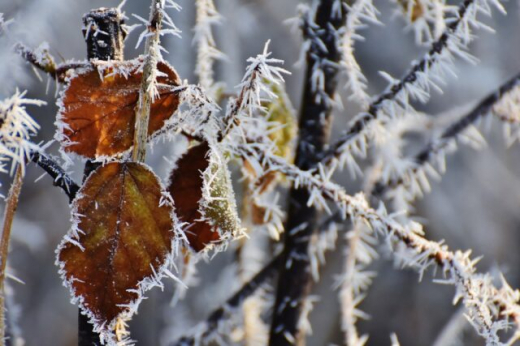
(121, 242)
(204, 198)
(97, 107)
(218, 204)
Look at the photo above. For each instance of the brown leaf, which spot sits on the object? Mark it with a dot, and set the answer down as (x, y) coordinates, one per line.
(97, 108)
(122, 242)
(186, 190)
(203, 194)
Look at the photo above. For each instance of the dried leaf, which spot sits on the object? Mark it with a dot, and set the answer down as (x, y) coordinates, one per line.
(204, 198)
(186, 190)
(97, 108)
(121, 243)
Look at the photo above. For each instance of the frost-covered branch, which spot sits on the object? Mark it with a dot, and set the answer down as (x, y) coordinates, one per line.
(16, 129)
(207, 51)
(259, 71)
(10, 210)
(413, 181)
(43, 60)
(154, 31)
(357, 82)
(104, 33)
(194, 113)
(416, 83)
(198, 114)
(488, 308)
(356, 280)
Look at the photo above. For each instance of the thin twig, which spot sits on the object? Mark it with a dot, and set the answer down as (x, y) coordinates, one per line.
(207, 51)
(10, 210)
(148, 87)
(260, 69)
(231, 118)
(60, 178)
(45, 62)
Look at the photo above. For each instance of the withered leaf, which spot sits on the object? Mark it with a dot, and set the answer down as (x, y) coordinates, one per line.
(97, 108)
(122, 241)
(212, 217)
(186, 190)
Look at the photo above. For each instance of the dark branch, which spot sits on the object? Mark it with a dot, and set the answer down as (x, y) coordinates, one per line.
(104, 33)
(60, 177)
(314, 128)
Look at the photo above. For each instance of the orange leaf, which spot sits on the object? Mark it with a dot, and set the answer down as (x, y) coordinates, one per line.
(122, 244)
(97, 108)
(186, 190)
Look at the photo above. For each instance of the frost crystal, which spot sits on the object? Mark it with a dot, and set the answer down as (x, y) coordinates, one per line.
(357, 82)
(16, 129)
(207, 53)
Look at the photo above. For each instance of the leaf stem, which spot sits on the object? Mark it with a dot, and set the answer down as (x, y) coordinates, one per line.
(10, 210)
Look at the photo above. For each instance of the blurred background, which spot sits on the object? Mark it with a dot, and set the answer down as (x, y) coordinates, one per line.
(475, 206)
